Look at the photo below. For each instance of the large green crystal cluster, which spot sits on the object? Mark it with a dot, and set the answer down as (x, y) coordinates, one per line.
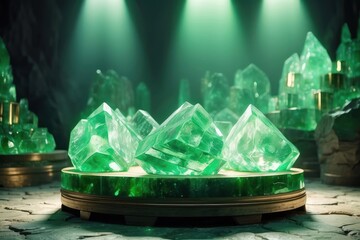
(19, 132)
(103, 142)
(304, 91)
(186, 143)
(255, 144)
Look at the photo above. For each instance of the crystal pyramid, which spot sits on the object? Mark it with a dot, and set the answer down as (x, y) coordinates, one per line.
(254, 144)
(186, 143)
(315, 62)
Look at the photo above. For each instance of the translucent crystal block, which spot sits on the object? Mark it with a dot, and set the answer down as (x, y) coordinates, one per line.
(254, 144)
(143, 123)
(184, 91)
(142, 97)
(186, 143)
(255, 81)
(315, 62)
(103, 142)
(216, 93)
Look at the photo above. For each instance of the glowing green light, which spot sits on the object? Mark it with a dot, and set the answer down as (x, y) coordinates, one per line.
(282, 23)
(105, 35)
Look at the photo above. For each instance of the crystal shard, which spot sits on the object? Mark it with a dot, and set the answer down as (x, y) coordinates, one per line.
(186, 143)
(345, 39)
(143, 123)
(215, 92)
(315, 62)
(112, 89)
(254, 144)
(103, 142)
(257, 85)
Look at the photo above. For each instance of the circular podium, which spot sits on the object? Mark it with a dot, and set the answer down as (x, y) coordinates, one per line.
(21, 170)
(142, 198)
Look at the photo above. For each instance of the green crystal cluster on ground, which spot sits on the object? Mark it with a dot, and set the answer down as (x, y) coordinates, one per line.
(19, 131)
(103, 142)
(186, 143)
(255, 144)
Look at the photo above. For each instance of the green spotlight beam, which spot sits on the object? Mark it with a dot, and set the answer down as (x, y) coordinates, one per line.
(105, 37)
(208, 38)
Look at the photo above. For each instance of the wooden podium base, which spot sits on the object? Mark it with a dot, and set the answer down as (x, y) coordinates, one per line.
(22, 170)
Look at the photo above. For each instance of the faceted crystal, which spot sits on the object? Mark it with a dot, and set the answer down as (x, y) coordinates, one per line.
(226, 115)
(186, 143)
(315, 62)
(143, 123)
(216, 92)
(103, 142)
(142, 97)
(257, 84)
(254, 144)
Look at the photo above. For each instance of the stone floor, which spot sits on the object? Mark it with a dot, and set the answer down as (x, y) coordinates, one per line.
(332, 212)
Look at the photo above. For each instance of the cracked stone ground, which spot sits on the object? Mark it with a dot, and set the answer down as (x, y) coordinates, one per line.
(332, 212)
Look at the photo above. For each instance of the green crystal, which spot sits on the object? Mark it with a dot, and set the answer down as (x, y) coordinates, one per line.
(184, 91)
(19, 132)
(186, 143)
(112, 89)
(291, 65)
(254, 144)
(225, 120)
(255, 82)
(103, 142)
(142, 97)
(304, 119)
(345, 39)
(226, 115)
(138, 185)
(315, 62)
(238, 99)
(7, 88)
(143, 123)
(215, 92)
